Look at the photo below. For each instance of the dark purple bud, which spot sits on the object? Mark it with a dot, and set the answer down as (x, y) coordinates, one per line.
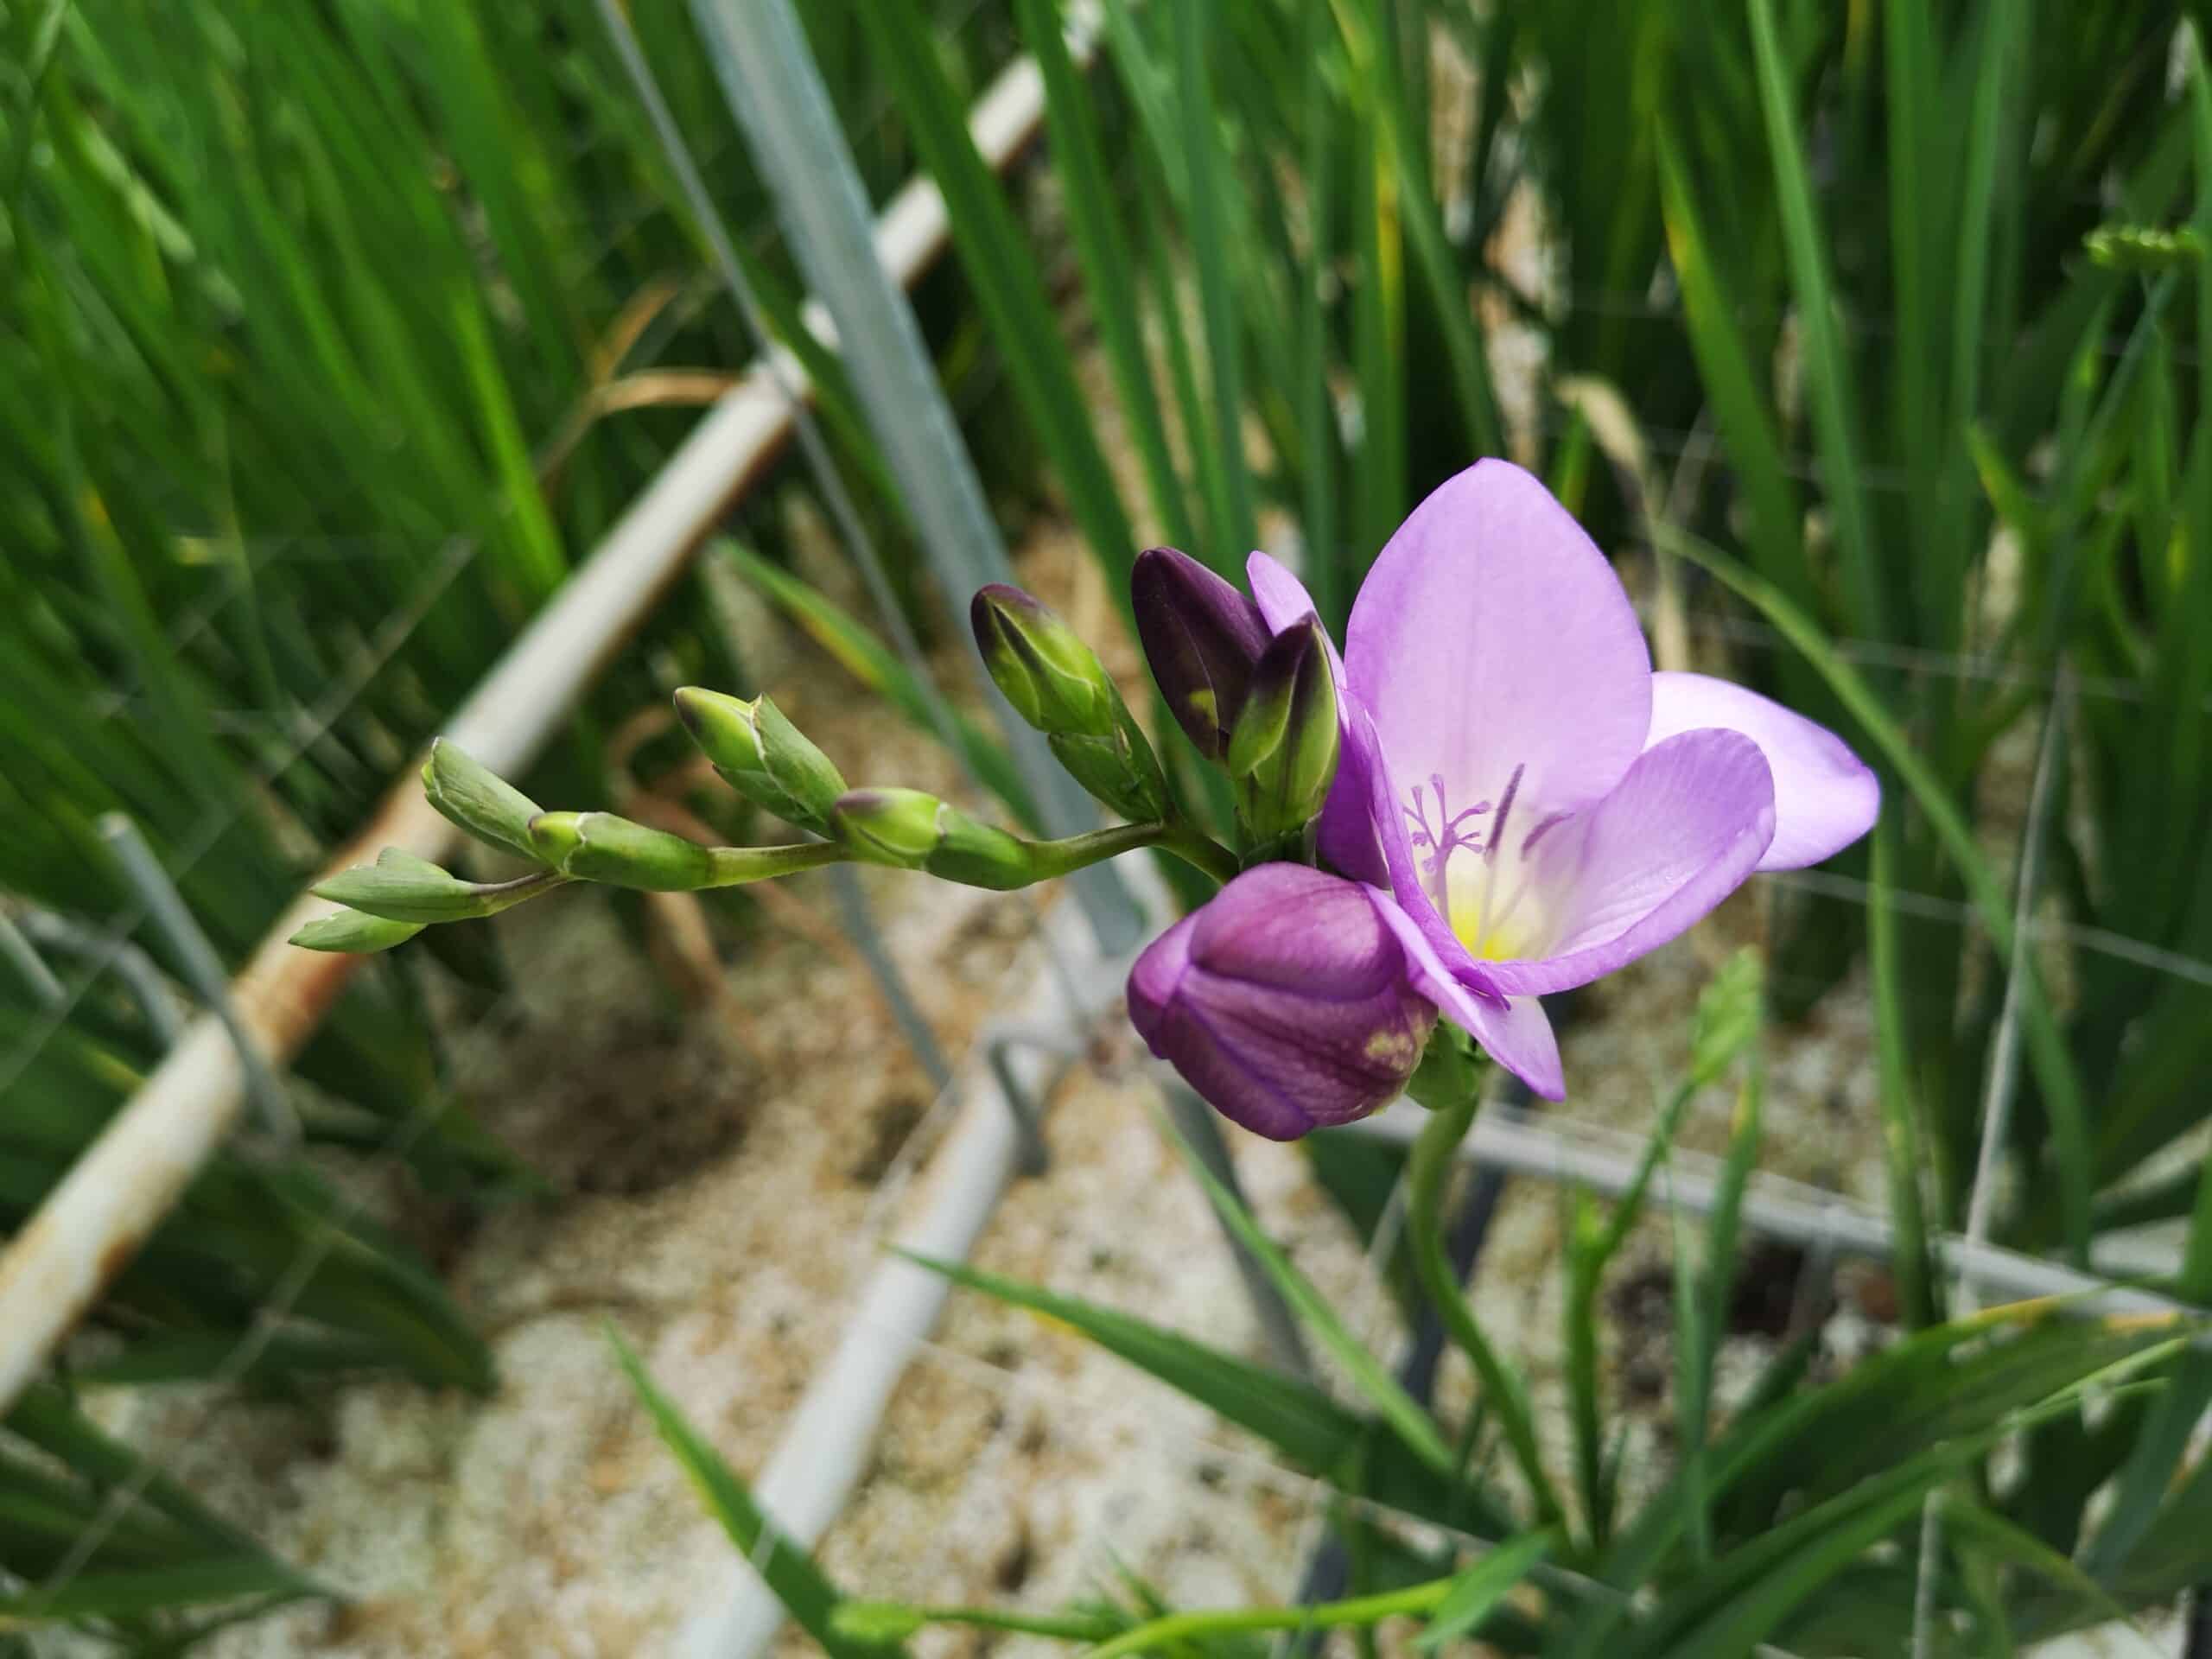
(1202, 638)
(1285, 1001)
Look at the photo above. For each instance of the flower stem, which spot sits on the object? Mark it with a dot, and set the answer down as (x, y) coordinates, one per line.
(1024, 862)
(1070, 853)
(1508, 1395)
(1356, 1611)
(734, 866)
(1065, 1627)
(1202, 852)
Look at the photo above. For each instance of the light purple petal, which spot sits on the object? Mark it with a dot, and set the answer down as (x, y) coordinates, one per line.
(1513, 1031)
(1156, 976)
(1394, 844)
(1825, 797)
(1281, 597)
(1492, 634)
(1687, 824)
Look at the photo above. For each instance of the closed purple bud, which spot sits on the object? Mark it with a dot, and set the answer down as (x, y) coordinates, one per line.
(1285, 1001)
(1202, 638)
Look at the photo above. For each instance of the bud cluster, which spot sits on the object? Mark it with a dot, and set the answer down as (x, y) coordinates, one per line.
(1258, 703)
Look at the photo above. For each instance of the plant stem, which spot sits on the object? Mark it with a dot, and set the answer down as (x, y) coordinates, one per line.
(1202, 852)
(1066, 1627)
(1070, 853)
(734, 866)
(1430, 1163)
(1356, 1610)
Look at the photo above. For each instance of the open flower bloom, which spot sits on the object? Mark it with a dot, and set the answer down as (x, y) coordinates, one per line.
(1531, 805)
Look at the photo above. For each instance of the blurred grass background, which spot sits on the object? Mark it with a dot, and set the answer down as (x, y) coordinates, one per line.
(1875, 338)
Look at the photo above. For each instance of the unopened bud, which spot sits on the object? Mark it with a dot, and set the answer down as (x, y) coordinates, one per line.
(622, 854)
(897, 827)
(354, 932)
(470, 795)
(762, 756)
(1119, 768)
(1202, 638)
(1283, 755)
(1055, 680)
(401, 887)
(910, 830)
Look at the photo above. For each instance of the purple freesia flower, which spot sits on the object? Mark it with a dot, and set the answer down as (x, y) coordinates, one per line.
(1525, 803)
(1286, 1000)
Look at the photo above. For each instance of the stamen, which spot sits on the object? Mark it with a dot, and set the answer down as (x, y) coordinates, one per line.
(1446, 836)
(1504, 809)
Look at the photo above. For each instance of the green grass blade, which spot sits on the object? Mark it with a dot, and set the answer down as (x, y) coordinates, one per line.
(1901, 1145)
(999, 262)
(1505, 1390)
(1407, 1417)
(788, 1570)
(1200, 136)
(1828, 377)
(1476, 1594)
(1701, 1303)
(137, 1592)
(2047, 1056)
(1317, 412)
(1383, 75)
(1102, 245)
(1292, 1415)
(1380, 482)
(1740, 407)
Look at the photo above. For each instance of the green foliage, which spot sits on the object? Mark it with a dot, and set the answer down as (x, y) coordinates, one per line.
(1783, 1519)
(296, 295)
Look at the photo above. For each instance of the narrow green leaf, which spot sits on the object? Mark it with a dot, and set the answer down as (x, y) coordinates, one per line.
(1475, 1594)
(999, 261)
(1405, 1415)
(1902, 1153)
(1102, 244)
(137, 1592)
(2047, 1052)
(1294, 1416)
(1194, 29)
(787, 1570)
(1828, 379)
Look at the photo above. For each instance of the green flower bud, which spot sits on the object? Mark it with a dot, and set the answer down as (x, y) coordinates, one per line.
(473, 798)
(1055, 680)
(910, 831)
(762, 756)
(1283, 754)
(401, 887)
(354, 932)
(897, 827)
(979, 854)
(622, 854)
(1119, 768)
